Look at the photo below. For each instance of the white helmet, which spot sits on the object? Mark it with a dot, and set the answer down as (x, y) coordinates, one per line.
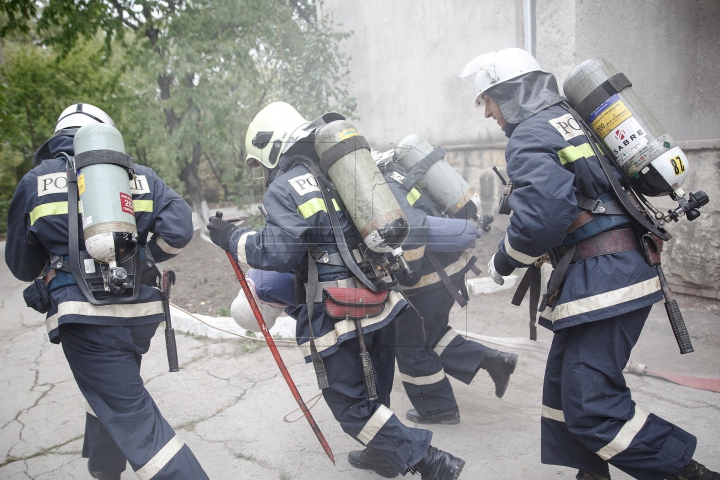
(82, 114)
(270, 133)
(494, 68)
(244, 316)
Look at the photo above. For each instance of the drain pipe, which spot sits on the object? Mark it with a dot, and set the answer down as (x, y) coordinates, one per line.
(528, 14)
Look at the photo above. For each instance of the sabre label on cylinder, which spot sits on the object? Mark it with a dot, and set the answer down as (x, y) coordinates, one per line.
(126, 203)
(567, 126)
(304, 184)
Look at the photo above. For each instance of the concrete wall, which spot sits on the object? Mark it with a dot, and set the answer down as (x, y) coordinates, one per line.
(406, 55)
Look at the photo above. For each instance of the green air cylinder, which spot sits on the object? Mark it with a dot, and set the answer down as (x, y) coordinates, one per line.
(345, 159)
(103, 170)
(449, 191)
(640, 146)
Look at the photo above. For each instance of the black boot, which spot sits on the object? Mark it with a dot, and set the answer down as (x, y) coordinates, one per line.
(500, 366)
(438, 465)
(582, 475)
(450, 417)
(695, 471)
(371, 459)
(105, 475)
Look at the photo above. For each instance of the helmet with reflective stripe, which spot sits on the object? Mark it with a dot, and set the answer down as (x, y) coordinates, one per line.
(493, 68)
(270, 133)
(82, 114)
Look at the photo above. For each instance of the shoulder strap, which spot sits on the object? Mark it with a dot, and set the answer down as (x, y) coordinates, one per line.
(337, 229)
(74, 250)
(620, 192)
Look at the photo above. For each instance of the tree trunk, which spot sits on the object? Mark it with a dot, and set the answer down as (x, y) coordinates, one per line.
(193, 186)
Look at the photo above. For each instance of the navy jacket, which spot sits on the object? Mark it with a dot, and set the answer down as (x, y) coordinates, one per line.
(548, 162)
(38, 228)
(297, 217)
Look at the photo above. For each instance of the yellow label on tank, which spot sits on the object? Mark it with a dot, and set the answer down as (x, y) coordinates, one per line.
(81, 183)
(610, 118)
(347, 133)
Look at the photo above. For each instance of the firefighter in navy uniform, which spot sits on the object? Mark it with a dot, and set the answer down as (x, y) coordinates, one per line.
(589, 420)
(298, 228)
(428, 348)
(103, 344)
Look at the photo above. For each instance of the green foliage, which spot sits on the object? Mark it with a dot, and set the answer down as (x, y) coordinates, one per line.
(181, 79)
(38, 85)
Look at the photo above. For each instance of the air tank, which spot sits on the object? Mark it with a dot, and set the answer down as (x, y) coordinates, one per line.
(103, 176)
(641, 147)
(449, 191)
(362, 188)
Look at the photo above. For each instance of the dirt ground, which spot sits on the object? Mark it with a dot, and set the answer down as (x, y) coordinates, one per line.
(205, 280)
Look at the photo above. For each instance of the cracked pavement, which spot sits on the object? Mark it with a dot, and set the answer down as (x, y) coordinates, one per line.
(228, 402)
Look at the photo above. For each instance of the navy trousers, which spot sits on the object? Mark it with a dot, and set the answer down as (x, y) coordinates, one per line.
(372, 423)
(428, 350)
(123, 422)
(589, 419)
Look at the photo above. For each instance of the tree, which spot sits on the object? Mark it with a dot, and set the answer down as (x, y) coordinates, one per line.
(215, 64)
(37, 85)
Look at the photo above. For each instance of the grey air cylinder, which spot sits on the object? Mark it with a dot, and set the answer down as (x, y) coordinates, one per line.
(640, 146)
(449, 191)
(108, 215)
(346, 160)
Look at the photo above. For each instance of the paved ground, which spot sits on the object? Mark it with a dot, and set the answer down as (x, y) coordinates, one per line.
(228, 400)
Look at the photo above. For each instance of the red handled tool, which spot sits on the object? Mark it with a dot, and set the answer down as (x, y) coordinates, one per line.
(276, 354)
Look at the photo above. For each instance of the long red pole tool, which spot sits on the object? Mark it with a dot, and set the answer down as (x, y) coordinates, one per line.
(278, 359)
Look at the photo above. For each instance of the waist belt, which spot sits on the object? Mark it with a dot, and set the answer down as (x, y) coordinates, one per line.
(344, 283)
(605, 243)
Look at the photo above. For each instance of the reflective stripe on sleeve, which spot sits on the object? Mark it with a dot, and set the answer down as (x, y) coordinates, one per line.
(414, 254)
(432, 278)
(143, 206)
(427, 380)
(161, 458)
(160, 242)
(241, 254)
(128, 310)
(373, 426)
(412, 196)
(602, 300)
(445, 341)
(625, 436)
(572, 153)
(315, 205)
(519, 256)
(552, 414)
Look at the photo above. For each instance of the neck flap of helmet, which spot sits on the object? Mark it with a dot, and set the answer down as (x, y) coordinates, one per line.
(522, 97)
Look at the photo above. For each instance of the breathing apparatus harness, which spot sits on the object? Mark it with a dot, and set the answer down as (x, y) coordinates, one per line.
(341, 299)
(412, 179)
(644, 235)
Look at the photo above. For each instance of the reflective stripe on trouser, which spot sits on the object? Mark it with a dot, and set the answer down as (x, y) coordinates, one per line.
(427, 350)
(372, 423)
(588, 416)
(105, 361)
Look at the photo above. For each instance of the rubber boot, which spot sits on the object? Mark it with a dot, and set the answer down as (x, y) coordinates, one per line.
(438, 465)
(105, 475)
(695, 471)
(371, 459)
(500, 366)
(582, 475)
(450, 417)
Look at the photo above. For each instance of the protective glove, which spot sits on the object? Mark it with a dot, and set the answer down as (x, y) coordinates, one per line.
(497, 278)
(220, 232)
